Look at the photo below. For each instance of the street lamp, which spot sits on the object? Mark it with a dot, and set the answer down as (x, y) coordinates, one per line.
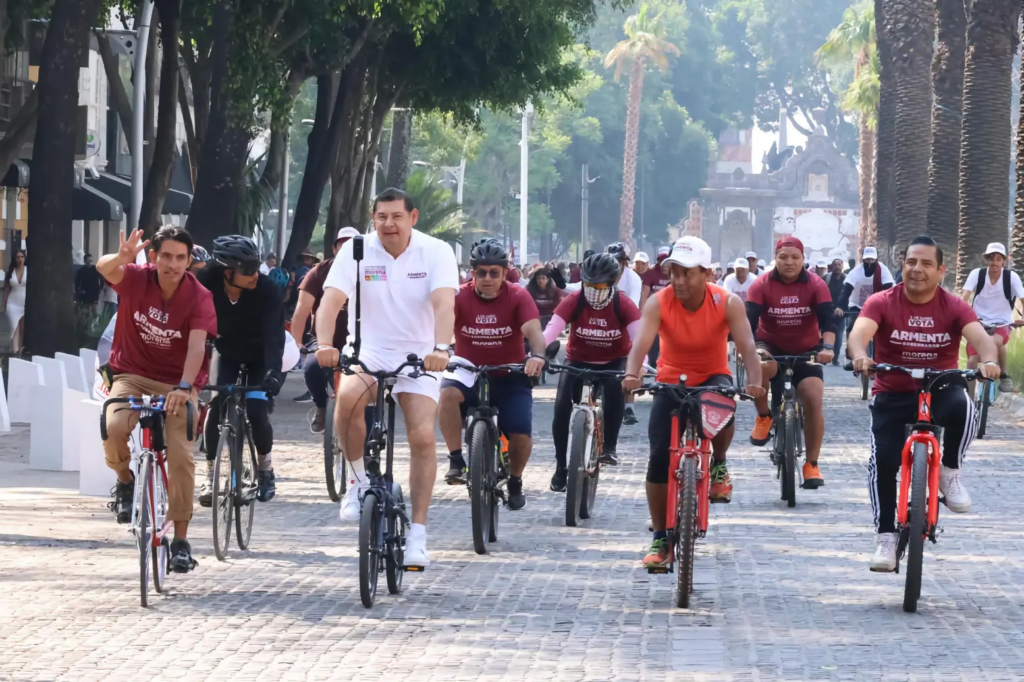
(524, 180)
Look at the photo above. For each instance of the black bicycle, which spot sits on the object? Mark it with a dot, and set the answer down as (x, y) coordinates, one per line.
(488, 462)
(334, 459)
(984, 395)
(235, 472)
(788, 427)
(586, 439)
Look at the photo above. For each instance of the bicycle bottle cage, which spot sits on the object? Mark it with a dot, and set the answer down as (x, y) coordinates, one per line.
(715, 412)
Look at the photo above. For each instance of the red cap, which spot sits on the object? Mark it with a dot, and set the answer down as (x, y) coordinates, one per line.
(512, 276)
(789, 241)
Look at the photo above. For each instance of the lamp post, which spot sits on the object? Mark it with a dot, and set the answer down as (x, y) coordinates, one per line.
(524, 181)
(138, 112)
(585, 210)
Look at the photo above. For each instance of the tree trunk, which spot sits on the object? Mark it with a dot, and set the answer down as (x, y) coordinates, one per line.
(158, 180)
(867, 233)
(49, 313)
(985, 148)
(20, 131)
(271, 176)
(122, 105)
(149, 111)
(885, 136)
(947, 111)
(398, 154)
(190, 130)
(636, 90)
(912, 32)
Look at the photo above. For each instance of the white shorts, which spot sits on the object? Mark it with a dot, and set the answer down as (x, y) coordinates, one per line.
(379, 360)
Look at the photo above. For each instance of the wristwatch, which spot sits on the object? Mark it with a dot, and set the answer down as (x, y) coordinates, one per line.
(444, 348)
(185, 386)
(829, 346)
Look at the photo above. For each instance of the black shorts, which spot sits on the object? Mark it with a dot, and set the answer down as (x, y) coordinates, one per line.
(801, 370)
(512, 395)
(659, 429)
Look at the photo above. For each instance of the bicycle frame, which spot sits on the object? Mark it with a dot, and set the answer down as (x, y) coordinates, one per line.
(589, 406)
(690, 446)
(922, 432)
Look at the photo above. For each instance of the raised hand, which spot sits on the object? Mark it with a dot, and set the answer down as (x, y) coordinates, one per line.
(131, 247)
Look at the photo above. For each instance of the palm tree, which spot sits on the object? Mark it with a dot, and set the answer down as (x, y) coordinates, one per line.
(438, 214)
(947, 111)
(644, 42)
(854, 40)
(885, 131)
(1017, 239)
(985, 143)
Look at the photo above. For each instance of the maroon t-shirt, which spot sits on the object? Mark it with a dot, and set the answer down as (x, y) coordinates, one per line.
(656, 278)
(151, 335)
(915, 335)
(490, 331)
(598, 335)
(548, 300)
(789, 312)
(313, 284)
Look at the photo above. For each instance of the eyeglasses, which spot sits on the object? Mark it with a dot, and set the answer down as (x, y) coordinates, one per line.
(484, 274)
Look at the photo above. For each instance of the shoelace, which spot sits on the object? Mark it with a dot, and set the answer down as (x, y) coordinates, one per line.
(953, 486)
(718, 474)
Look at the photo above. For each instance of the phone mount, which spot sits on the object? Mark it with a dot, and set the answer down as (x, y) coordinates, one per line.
(357, 256)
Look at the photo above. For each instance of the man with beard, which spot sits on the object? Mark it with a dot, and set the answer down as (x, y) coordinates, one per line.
(870, 277)
(836, 279)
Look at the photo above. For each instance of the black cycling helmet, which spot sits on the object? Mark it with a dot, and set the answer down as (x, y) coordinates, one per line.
(601, 268)
(234, 250)
(619, 249)
(200, 255)
(588, 253)
(488, 252)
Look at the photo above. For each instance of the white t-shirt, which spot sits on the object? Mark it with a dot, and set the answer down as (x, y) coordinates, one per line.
(396, 310)
(733, 285)
(631, 285)
(991, 305)
(863, 285)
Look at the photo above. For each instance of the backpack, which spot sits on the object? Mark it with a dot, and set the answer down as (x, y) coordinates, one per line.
(983, 279)
(582, 302)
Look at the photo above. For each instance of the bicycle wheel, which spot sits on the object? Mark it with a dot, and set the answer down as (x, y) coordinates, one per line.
(918, 513)
(145, 530)
(577, 461)
(222, 504)
(394, 558)
(590, 478)
(686, 531)
(481, 492)
(986, 399)
(369, 548)
(245, 496)
(334, 461)
(161, 556)
(788, 462)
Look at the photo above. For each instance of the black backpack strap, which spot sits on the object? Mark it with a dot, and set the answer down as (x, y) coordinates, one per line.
(980, 285)
(1007, 289)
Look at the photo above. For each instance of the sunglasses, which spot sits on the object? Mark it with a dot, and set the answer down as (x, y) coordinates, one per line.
(484, 274)
(248, 269)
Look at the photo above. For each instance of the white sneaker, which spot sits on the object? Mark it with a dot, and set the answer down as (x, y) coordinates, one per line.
(351, 504)
(884, 559)
(957, 498)
(416, 546)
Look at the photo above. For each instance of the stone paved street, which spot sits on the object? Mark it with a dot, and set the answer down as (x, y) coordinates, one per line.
(780, 593)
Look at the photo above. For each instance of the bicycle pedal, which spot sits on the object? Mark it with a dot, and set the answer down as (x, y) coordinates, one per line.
(412, 569)
(660, 570)
(721, 500)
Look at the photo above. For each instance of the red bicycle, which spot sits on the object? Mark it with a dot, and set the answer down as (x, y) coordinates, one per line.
(917, 507)
(702, 413)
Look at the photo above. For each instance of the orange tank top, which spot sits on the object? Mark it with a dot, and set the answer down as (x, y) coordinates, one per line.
(693, 343)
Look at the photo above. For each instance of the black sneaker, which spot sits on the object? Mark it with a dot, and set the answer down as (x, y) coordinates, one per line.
(124, 500)
(516, 498)
(266, 489)
(181, 557)
(456, 471)
(628, 418)
(608, 457)
(319, 420)
(558, 480)
(304, 398)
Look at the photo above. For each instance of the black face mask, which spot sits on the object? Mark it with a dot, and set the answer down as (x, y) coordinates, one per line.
(869, 269)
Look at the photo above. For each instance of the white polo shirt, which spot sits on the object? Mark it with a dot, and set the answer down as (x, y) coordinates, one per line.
(631, 285)
(395, 292)
(733, 285)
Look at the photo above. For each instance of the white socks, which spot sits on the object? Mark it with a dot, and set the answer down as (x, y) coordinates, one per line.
(358, 470)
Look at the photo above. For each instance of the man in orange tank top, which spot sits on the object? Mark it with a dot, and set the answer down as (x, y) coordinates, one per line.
(693, 320)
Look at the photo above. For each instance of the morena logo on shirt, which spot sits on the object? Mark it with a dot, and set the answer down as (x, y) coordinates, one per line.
(919, 321)
(375, 273)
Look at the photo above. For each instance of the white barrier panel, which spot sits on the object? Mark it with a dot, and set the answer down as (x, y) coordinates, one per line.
(5, 416)
(95, 478)
(22, 376)
(54, 375)
(89, 366)
(73, 371)
(54, 441)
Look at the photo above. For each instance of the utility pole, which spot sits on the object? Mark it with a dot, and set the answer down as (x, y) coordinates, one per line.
(524, 180)
(585, 211)
(138, 114)
(282, 203)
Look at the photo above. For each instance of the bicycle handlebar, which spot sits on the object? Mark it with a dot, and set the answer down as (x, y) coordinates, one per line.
(346, 364)
(808, 358)
(487, 369)
(923, 373)
(681, 392)
(234, 388)
(554, 368)
(155, 407)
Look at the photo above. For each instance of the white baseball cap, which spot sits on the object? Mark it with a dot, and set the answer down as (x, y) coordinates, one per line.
(870, 252)
(641, 257)
(664, 251)
(347, 233)
(690, 252)
(822, 264)
(750, 254)
(741, 264)
(761, 263)
(995, 247)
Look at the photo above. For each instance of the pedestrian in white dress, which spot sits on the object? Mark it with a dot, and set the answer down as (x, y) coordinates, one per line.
(14, 299)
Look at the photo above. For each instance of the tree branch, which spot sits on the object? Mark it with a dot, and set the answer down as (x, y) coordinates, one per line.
(20, 131)
(289, 39)
(122, 104)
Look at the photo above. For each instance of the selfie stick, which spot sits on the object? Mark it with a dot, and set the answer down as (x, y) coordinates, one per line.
(357, 255)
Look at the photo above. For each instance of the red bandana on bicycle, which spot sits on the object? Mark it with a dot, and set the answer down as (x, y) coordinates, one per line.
(715, 412)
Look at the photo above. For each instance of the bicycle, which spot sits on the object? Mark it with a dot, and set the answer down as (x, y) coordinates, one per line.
(984, 395)
(586, 440)
(488, 456)
(382, 519)
(788, 428)
(335, 465)
(703, 411)
(235, 477)
(917, 510)
(149, 522)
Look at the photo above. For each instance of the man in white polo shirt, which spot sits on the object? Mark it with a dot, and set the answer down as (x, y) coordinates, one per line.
(994, 290)
(408, 288)
(739, 281)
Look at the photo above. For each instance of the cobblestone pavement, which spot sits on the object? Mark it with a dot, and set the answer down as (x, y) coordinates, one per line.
(780, 593)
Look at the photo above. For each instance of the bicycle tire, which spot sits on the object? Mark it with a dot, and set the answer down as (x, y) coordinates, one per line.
(334, 460)
(917, 514)
(590, 480)
(221, 504)
(161, 556)
(481, 455)
(574, 470)
(790, 425)
(144, 537)
(686, 531)
(986, 400)
(369, 548)
(394, 558)
(248, 479)
(161, 561)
